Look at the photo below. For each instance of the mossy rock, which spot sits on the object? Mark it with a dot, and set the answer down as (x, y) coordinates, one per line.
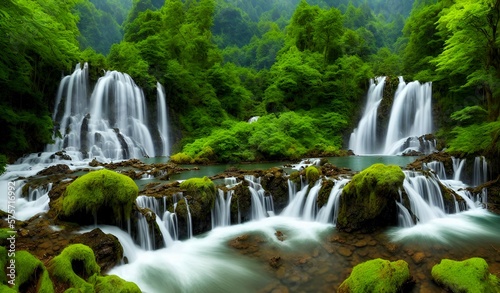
(324, 192)
(471, 275)
(103, 195)
(377, 275)
(312, 174)
(74, 266)
(368, 202)
(113, 284)
(31, 274)
(203, 189)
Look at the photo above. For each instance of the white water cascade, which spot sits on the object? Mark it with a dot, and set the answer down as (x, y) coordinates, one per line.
(163, 120)
(112, 123)
(480, 173)
(410, 119)
(364, 138)
(262, 205)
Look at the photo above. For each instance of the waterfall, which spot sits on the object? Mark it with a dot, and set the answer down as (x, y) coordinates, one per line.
(410, 119)
(145, 237)
(458, 166)
(221, 212)
(329, 212)
(480, 174)
(111, 124)
(261, 205)
(437, 167)
(364, 138)
(163, 120)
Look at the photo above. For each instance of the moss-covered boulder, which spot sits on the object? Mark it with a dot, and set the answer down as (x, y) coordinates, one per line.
(470, 275)
(276, 184)
(312, 174)
(368, 200)
(199, 196)
(377, 275)
(76, 270)
(31, 275)
(113, 284)
(103, 196)
(74, 266)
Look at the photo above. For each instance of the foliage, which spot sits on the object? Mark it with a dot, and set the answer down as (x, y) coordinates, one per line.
(100, 190)
(469, 115)
(475, 138)
(38, 42)
(3, 163)
(377, 275)
(470, 275)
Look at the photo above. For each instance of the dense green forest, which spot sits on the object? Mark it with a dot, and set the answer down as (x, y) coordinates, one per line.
(302, 66)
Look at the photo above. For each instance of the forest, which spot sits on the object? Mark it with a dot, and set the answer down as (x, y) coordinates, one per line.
(303, 67)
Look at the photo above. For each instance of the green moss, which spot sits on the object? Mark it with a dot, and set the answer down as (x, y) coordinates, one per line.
(377, 275)
(101, 189)
(377, 177)
(181, 158)
(28, 268)
(368, 200)
(113, 284)
(202, 189)
(5, 233)
(470, 275)
(3, 263)
(77, 257)
(312, 174)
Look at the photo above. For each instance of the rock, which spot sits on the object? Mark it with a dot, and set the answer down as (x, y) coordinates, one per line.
(107, 249)
(280, 235)
(56, 169)
(418, 257)
(312, 174)
(470, 275)
(103, 196)
(33, 274)
(377, 275)
(368, 201)
(274, 182)
(275, 262)
(344, 251)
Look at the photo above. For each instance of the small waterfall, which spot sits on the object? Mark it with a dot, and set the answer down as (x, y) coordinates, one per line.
(262, 205)
(480, 174)
(437, 167)
(145, 237)
(329, 212)
(411, 117)
(221, 212)
(458, 166)
(311, 205)
(110, 124)
(296, 206)
(364, 138)
(163, 120)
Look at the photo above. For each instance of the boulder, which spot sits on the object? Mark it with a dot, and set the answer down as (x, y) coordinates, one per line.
(103, 196)
(377, 275)
(470, 275)
(368, 201)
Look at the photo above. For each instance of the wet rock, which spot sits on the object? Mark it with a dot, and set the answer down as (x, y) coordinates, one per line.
(275, 262)
(276, 184)
(344, 251)
(56, 169)
(368, 201)
(280, 235)
(107, 249)
(418, 257)
(361, 243)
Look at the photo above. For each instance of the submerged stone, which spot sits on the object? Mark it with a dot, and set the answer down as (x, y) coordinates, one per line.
(470, 275)
(377, 275)
(368, 200)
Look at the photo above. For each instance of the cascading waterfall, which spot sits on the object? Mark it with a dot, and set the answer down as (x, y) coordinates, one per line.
(221, 212)
(480, 173)
(458, 166)
(410, 119)
(163, 120)
(437, 167)
(111, 124)
(364, 138)
(329, 212)
(262, 205)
